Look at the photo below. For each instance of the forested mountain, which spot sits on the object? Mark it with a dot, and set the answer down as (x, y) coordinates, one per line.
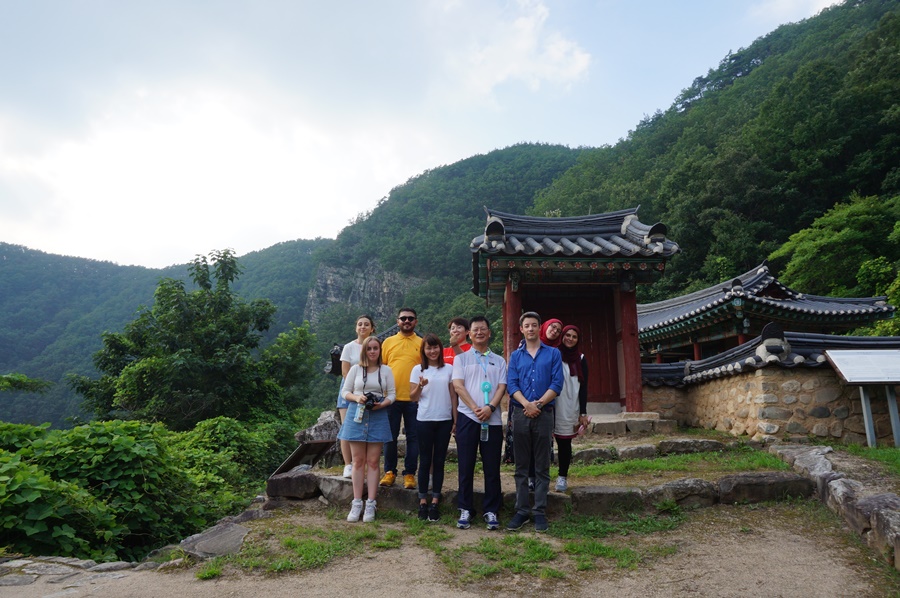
(759, 147)
(757, 150)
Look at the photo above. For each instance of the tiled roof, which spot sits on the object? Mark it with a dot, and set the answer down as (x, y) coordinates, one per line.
(601, 235)
(788, 350)
(758, 290)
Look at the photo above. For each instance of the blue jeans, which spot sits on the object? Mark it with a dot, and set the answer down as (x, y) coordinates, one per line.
(468, 443)
(408, 411)
(532, 438)
(434, 437)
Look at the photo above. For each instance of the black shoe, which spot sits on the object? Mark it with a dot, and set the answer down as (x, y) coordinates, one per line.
(423, 511)
(434, 514)
(517, 522)
(540, 523)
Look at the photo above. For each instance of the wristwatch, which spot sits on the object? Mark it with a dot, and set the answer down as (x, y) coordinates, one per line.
(538, 404)
(493, 407)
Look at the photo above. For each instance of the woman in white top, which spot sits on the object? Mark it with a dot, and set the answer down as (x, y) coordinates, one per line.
(365, 327)
(370, 385)
(431, 384)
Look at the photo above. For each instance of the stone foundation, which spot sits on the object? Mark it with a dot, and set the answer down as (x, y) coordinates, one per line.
(774, 403)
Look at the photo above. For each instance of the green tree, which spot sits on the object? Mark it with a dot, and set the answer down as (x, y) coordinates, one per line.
(10, 382)
(195, 355)
(826, 257)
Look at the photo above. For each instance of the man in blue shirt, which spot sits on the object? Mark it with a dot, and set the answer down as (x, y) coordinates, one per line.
(534, 380)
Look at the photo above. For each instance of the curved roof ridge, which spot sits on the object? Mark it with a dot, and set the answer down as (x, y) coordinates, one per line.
(747, 279)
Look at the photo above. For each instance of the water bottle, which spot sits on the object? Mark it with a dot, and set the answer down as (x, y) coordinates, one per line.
(360, 410)
(485, 430)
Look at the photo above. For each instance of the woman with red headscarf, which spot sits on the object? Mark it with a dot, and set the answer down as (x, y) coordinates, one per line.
(551, 332)
(571, 404)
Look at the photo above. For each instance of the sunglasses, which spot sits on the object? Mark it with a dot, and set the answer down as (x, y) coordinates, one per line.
(407, 318)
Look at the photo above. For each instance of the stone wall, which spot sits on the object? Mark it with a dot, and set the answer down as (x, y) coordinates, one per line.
(774, 403)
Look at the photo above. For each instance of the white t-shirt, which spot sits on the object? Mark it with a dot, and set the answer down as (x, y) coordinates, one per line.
(351, 352)
(434, 402)
(474, 368)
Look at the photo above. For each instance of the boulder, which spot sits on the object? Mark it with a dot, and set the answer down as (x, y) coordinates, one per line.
(606, 500)
(689, 493)
(595, 455)
(858, 514)
(763, 486)
(885, 536)
(297, 483)
(681, 446)
(640, 451)
(220, 539)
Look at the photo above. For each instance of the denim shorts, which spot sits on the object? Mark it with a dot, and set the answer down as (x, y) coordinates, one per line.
(342, 403)
(373, 428)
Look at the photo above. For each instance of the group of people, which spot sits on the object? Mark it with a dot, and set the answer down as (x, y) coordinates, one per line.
(440, 392)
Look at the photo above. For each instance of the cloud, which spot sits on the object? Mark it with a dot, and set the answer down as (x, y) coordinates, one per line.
(187, 169)
(784, 11)
(515, 44)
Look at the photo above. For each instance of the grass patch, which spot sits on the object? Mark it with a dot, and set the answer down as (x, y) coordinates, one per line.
(889, 457)
(512, 553)
(583, 526)
(719, 462)
(211, 569)
(587, 551)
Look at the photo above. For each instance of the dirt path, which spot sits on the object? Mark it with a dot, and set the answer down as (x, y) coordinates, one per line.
(788, 550)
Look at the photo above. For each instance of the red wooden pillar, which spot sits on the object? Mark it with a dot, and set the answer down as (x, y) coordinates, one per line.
(697, 353)
(512, 309)
(659, 357)
(631, 353)
(742, 338)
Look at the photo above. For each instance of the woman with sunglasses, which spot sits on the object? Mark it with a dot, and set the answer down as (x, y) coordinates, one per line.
(370, 390)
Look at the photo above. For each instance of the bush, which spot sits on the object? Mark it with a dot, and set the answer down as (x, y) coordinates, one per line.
(17, 436)
(39, 515)
(127, 465)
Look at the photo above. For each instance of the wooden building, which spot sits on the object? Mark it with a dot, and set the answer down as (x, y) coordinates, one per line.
(709, 322)
(582, 270)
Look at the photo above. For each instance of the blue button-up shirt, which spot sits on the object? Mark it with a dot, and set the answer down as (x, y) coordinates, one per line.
(532, 376)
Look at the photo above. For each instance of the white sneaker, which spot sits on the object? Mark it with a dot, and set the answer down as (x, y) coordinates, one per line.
(356, 508)
(348, 470)
(369, 515)
(561, 484)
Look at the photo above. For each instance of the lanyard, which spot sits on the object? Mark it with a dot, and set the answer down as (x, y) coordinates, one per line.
(484, 365)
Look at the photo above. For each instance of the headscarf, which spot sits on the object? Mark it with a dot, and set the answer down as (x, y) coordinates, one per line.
(544, 327)
(572, 356)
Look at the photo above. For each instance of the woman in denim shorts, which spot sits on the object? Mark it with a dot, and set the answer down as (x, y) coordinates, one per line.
(370, 385)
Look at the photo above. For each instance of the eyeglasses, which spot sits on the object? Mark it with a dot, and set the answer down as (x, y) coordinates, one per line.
(407, 318)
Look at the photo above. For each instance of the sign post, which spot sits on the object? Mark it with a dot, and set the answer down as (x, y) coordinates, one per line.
(866, 368)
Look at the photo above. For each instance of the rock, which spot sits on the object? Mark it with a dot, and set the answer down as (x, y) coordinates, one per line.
(665, 426)
(248, 515)
(336, 490)
(293, 484)
(885, 536)
(842, 494)
(173, 564)
(595, 455)
(326, 428)
(114, 566)
(49, 569)
(604, 500)
(17, 579)
(614, 428)
(221, 539)
(688, 493)
(858, 514)
(147, 566)
(639, 426)
(640, 451)
(763, 486)
(680, 446)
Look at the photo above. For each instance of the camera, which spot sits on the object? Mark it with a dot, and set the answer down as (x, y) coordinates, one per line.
(371, 400)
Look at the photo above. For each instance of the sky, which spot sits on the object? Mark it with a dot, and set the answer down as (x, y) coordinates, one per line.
(146, 133)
